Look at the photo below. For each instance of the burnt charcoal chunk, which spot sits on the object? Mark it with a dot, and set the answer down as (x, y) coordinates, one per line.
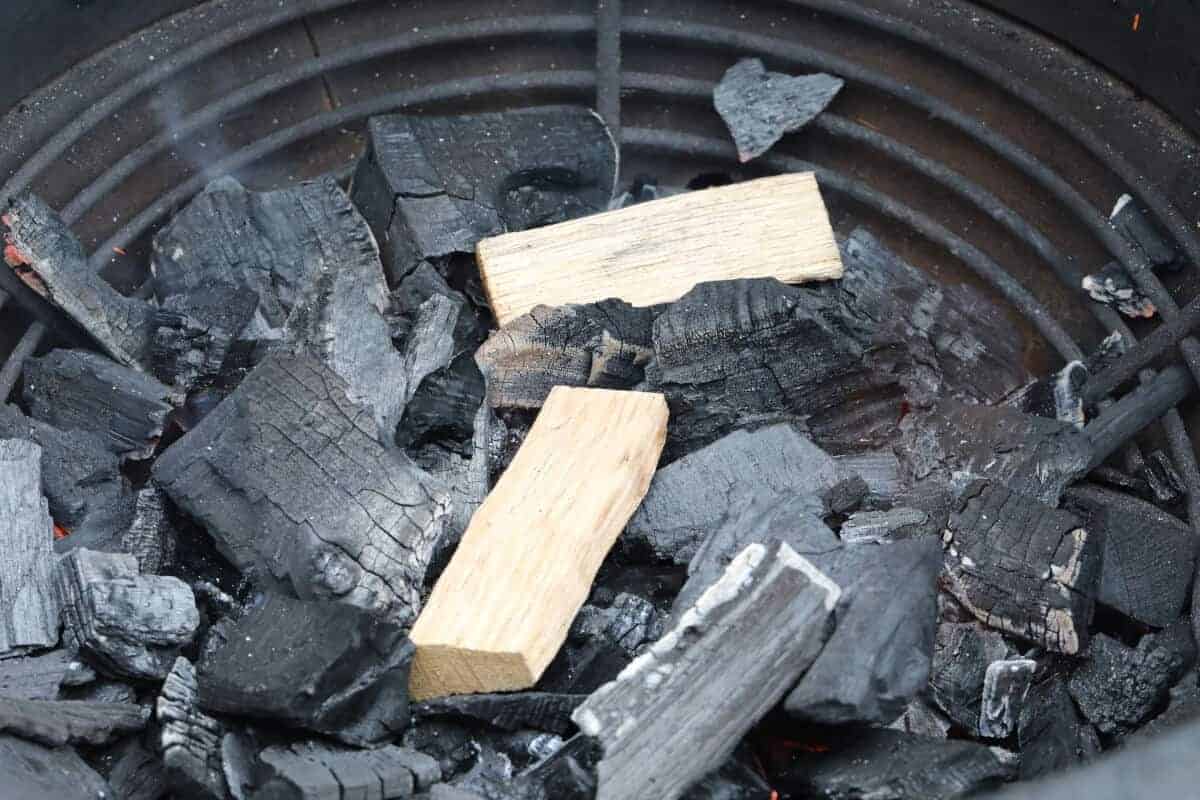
(444, 406)
(1178, 640)
(34, 677)
(1162, 478)
(190, 740)
(290, 479)
(1184, 707)
(1005, 688)
(1051, 734)
(880, 470)
(59, 722)
(314, 771)
(542, 711)
(1148, 554)
(193, 333)
(76, 390)
(1137, 228)
(1118, 687)
(48, 258)
(736, 780)
(1113, 286)
(1022, 567)
(878, 657)
(962, 653)
(29, 607)
(866, 527)
(1058, 396)
(130, 625)
(32, 770)
(283, 661)
(601, 641)
(759, 107)
(137, 774)
(920, 718)
(151, 537)
(432, 187)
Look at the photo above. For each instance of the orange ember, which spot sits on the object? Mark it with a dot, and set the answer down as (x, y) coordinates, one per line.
(60, 532)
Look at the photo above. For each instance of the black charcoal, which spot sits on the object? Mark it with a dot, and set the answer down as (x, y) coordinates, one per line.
(643, 189)
(1059, 396)
(314, 771)
(543, 711)
(354, 522)
(1139, 231)
(922, 719)
(29, 607)
(1113, 287)
(600, 642)
(60, 722)
(33, 771)
(101, 691)
(1005, 688)
(151, 537)
(759, 107)
(1184, 707)
(189, 739)
(1162, 478)
(1178, 640)
(962, 653)
(35, 677)
(736, 780)
(194, 332)
(137, 773)
(1118, 687)
(865, 527)
(1051, 734)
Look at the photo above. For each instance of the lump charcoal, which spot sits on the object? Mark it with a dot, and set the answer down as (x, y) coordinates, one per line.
(1058, 396)
(48, 258)
(759, 107)
(735, 780)
(962, 653)
(29, 608)
(1005, 687)
(1178, 640)
(280, 662)
(719, 669)
(59, 722)
(1118, 687)
(604, 345)
(433, 344)
(31, 770)
(643, 189)
(432, 187)
(137, 774)
(920, 718)
(355, 522)
(866, 527)
(688, 498)
(1139, 231)
(1022, 567)
(131, 625)
(101, 691)
(34, 677)
(1149, 555)
(194, 332)
(543, 711)
(151, 537)
(80, 390)
(1112, 286)
(1052, 737)
(600, 642)
(1184, 707)
(314, 771)
(880, 470)
(878, 657)
(190, 740)
(1161, 477)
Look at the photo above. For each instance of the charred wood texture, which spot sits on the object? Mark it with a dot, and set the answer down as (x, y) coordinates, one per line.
(289, 477)
(190, 740)
(601, 641)
(1051, 734)
(29, 608)
(1118, 687)
(194, 332)
(962, 653)
(314, 771)
(34, 677)
(137, 774)
(59, 722)
(542, 711)
(33, 770)
(1005, 687)
(48, 258)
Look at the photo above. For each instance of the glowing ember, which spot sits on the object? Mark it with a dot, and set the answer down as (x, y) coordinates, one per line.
(60, 532)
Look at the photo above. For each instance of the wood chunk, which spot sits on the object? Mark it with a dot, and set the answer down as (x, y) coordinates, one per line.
(315, 771)
(280, 662)
(80, 390)
(353, 522)
(59, 722)
(48, 258)
(759, 107)
(1118, 687)
(131, 625)
(194, 333)
(1051, 734)
(579, 475)
(1148, 558)
(683, 705)
(655, 252)
(962, 653)
(190, 740)
(1005, 687)
(543, 711)
(32, 770)
(34, 677)
(138, 774)
(1022, 567)
(432, 187)
(689, 498)
(28, 606)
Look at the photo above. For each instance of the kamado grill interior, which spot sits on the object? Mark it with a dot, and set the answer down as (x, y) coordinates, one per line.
(566, 400)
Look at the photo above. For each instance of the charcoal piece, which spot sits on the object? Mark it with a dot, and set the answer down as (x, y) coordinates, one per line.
(444, 791)
(78, 674)
(59, 722)
(866, 527)
(1149, 555)
(759, 107)
(512, 712)
(354, 522)
(1022, 567)
(1161, 477)
(962, 653)
(29, 608)
(420, 284)
(1058, 396)
(569, 774)
(884, 764)
(920, 718)
(101, 691)
(600, 642)
(84, 391)
(190, 740)
(443, 408)
(130, 625)
(1005, 687)
(1178, 640)
(33, 771)
(34, 677)
(737, 779)
(1139, 231)
(151, 537)
(1052, 737)
(688, 498)
(48, 258)
(643, 189)
(1118, 687)
(1184, 707)
(682, 706)
(434, 186)
(280, 662)
(314, 771)
(880, 470)
(193, 334)
(1113, 286)
(878, 657)
(604, 345)
(137, 774)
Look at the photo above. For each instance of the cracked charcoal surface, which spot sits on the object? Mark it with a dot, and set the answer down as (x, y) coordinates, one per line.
(289, 478)
(511, 712)
(314, 771)
(1051, 734)
(34, 677)
(193, 334)
(1118, 687)
(759, 107)
(962, 653)
(33, 770)
(60, 722)
(189, 739)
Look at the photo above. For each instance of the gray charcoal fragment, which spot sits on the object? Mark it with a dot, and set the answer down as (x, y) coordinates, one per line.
(29, 608)
(737, 779)
(1113, 286)
(101, 691)
(759, 107)
(920, 718)
(1184, 707)
(280, 662)
(130, 625)
(59, 722)
(866, 527)
(1139, 231)
(600, 642)
(880, 470)
(32, 771)
(189, 739)
(1005, 687)
(1052, 737)
(137, 774)
(35, 677)
(77, 390)
(194, 332)
(356, 522)
(315, 771)
(1058, 396)
(962, 653)
(151, 537)
(1118, 687)
(48, 258)
(1178, 640)
(1162, 478)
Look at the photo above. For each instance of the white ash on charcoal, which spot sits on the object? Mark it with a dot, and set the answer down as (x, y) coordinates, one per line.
(1149, 555)
(759, 107)
(962, 654)
(189, 739)
(195, 332)
(1058, 396)
(568, 774)
(600, 643)
(873, 527)
(77, 390)
(1023, 567)
(432, 187)
(137, 774)
(29, 607)
(692, 695)
(129, 625)
(1005, 688)
(60, 722)
(48, 258)
(544, 711)
(280, 662)
(1118, 687)
(315, 771)
(34, 677)
(881, 471)
(1113, 286)
(1051, 734)
(34, 770)
(354, 522)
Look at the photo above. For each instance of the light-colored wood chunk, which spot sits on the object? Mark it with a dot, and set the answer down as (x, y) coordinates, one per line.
(655, 252)
(501, 609)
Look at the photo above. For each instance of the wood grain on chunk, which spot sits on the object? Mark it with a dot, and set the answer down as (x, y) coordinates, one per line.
(60, 722)
(190, 740)
(501, 609)
(655, 252)
(28, 605)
